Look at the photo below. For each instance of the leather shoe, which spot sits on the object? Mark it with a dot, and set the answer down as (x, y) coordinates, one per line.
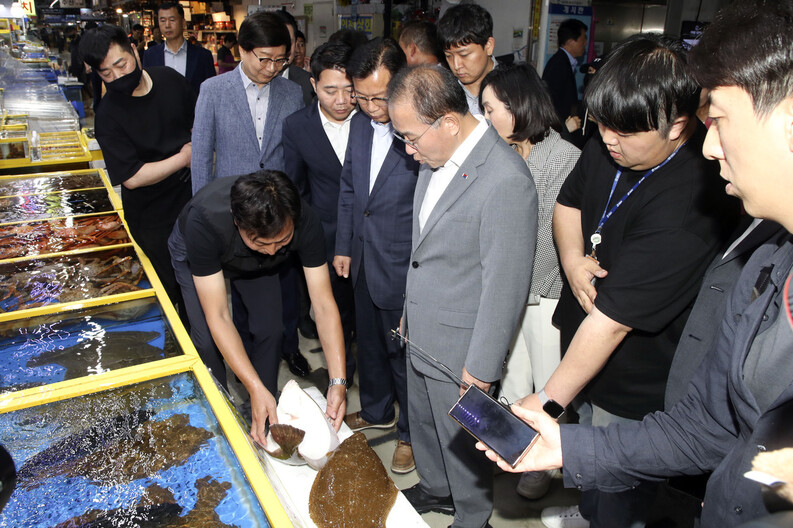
(423, 502)
(308, 328)
(356, 423)
(402, 462)
(298, 365)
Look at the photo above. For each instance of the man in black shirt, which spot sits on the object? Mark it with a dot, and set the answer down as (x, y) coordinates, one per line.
(143, 127)
(245, 229)
(637, 222)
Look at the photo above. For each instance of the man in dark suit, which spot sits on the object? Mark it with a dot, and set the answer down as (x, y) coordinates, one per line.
(295, 72)
(559, 72)
(373, 242)
(315, 142)
(193, 62)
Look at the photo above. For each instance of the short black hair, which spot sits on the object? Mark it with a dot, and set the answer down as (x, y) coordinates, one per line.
(299, 35)
(424, 34)
(526, 96)
(369, 57)
(263, 203)
(465, 24)
(171, 5)
(136, 27)
(434, 92)
(263, 30)
(644, 85)
(330, 56)
(287, 18)
(96, 42)
(351, 37)
(749, 45)
(570, 29)
(230, 37)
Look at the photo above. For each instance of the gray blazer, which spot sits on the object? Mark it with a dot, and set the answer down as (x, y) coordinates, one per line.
(471, 264)
(223, 129)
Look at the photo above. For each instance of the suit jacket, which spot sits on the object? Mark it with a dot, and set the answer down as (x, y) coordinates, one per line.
(471, 264)
(224, 129)
(375, 227)
(718, 426)
(311, 162)
(708, 310)
(200, 64)
(302, 78)
(558, 75)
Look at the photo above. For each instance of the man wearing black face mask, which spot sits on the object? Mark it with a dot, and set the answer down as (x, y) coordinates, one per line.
(144, 126)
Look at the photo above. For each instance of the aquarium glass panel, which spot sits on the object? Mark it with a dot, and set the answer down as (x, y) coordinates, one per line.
(151, 454)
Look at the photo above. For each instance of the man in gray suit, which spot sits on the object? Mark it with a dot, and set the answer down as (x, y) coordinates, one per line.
(239, 114)
(474, 228)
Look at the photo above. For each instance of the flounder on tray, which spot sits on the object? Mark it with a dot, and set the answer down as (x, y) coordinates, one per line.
(298, 410)
(353, 489)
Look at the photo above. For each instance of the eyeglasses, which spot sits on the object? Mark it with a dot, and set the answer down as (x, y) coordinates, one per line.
(380, 102)
(414, 143)
(268, 62)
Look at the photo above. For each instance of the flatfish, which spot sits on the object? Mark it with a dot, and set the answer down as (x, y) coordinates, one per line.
(55, 459)
(353, 489)
(100, 352)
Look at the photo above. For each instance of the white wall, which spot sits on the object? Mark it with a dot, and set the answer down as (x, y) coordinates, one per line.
(508, 15)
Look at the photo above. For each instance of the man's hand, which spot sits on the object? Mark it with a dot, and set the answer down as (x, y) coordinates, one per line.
(186, 151)
(468, 379)
(544, 455)
(337, 405)
(572, 123)
(580, 273)
(530, 402)
(342, 265)
(262, 407)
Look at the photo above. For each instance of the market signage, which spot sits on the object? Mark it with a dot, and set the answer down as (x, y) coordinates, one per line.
(29, 7)
(72, 3)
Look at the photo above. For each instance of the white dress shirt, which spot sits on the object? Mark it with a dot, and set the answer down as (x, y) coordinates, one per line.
(381, 142)
(442, 176)
(338, 133)
(258, 100)
(178, 60)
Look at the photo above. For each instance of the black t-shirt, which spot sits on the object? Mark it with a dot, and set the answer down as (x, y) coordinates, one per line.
(213, 242)
(656, 248)
(133, 131)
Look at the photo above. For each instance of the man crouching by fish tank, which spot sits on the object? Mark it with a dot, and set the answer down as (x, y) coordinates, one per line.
(244, 229)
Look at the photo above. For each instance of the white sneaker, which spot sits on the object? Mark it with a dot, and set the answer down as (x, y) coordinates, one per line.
(563, 517)
(534, 484)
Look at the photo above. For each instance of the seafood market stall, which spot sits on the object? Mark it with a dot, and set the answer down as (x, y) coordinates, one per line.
(108, 412)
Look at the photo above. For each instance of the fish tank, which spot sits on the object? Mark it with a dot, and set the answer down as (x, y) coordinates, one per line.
(57, 347)
(61, 234)
(148, 454)
(67, 203)
(41, 282)
(19, 185)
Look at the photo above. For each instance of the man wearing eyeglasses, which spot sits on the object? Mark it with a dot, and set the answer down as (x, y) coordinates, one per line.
(239, 114)
(474, 232)
(373, 243)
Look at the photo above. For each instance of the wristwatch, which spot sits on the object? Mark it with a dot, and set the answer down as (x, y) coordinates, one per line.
(551, 408)
(337, 381)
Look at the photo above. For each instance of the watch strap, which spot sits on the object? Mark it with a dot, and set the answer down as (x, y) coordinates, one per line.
(337, 381)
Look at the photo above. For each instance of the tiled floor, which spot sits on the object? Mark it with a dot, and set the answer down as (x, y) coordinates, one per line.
(510, 511)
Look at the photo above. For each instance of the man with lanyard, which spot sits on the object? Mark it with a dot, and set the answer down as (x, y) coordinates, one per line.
(637, 222)
(244, 229)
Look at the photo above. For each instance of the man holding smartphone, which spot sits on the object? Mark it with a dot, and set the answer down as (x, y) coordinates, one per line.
(743, 391)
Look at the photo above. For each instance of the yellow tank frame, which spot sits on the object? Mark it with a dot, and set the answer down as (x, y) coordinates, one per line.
(239, 440)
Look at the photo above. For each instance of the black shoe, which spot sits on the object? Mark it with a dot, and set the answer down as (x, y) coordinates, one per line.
(298, 365)
(308, 328)
(423, 502)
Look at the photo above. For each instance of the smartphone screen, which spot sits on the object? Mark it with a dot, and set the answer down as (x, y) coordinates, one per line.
(493, 424)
